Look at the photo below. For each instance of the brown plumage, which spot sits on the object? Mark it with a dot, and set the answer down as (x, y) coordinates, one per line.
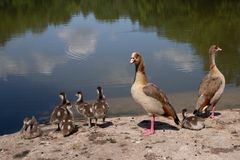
(59, 110)
(101, 106)
(148, 95)
(30, 128)
(192, 122)
(84, 108)
(67, 123)
(211, 87)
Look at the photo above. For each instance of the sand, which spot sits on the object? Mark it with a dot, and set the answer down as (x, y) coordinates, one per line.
(121, 138)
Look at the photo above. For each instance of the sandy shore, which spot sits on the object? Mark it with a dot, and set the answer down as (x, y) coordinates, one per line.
(121, 138)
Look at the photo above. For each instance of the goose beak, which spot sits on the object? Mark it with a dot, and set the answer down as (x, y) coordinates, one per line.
(219, 49)
(131, 61)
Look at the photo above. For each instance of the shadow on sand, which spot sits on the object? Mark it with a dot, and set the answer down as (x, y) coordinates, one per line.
(158, 125)
(208, 114)
(103, 125)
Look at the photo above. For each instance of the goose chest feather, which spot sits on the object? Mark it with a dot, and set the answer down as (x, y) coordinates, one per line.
(150, 104)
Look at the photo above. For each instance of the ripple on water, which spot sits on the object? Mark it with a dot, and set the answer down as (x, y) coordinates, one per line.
(74, 52)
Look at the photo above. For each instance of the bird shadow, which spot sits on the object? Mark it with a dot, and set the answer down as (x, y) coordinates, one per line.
(103, 125)
(217, 114)
(76, 129)
(208, 114)
(158, 125)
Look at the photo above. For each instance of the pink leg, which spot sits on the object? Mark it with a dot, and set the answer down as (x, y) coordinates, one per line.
(150, 131)
(213, 110)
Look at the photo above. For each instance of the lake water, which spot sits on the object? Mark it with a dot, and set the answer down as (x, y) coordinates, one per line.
(52, 46)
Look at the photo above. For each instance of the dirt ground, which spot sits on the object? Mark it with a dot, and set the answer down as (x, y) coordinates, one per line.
(121, 138)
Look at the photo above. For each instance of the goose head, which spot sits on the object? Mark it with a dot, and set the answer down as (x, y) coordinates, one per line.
(62, 95)
(100, 92)
(79, 94)
(214, 49)
(26, 123)
(184, 113)
(69, 105)
(34, 120)
(136, 58)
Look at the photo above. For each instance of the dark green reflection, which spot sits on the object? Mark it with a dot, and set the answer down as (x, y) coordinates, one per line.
(19, 16)
(197, 22)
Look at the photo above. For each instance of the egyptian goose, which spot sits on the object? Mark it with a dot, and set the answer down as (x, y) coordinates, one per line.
(101, 106)
(30, 128)
(58, 112)
(84, 108)
(67, 124)
(192, 122)
(148, 95)
(211, 87)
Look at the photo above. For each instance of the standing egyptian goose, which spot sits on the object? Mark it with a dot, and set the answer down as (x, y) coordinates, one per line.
(192, 122)
(211, 87)
(58, 112)
(148, 95)
(67, 124)
(101, 106)
(84, 108)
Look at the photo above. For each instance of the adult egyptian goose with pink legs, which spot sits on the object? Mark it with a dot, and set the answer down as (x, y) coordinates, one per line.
(148, 95)
(211, 87)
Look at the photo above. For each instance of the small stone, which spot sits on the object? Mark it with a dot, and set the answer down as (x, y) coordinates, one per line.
(150, 147)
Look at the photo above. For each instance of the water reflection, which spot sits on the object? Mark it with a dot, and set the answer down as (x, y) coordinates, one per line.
(10, 66)
(26, 56)
(81, 42)
(45, 63)
(181, 57)
(21, 16)
(198, 23)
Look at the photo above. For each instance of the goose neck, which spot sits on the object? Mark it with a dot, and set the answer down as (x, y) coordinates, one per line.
(212, 61)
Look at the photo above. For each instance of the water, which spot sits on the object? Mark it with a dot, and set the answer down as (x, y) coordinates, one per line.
(48, 47)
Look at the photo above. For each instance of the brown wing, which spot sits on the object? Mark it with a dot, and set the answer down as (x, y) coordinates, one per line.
(207, 89)
(209, 85)
(153, 91)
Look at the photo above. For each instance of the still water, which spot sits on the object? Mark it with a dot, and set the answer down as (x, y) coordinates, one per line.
(52, 46)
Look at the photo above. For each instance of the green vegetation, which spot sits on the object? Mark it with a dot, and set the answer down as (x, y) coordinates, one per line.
(197, 22)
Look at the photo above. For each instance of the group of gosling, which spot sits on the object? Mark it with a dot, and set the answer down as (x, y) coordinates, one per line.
(63, 116)
(147, 95)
